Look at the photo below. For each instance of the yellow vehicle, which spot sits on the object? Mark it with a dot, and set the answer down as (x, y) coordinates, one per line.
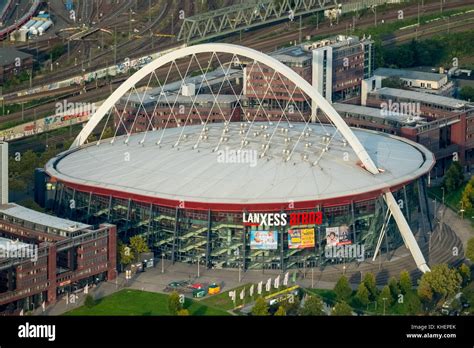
(214, 289)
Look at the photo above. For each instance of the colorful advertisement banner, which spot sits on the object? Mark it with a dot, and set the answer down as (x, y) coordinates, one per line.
(263, 240)
(338, 235)
(332, 236)
(344, 235)
(301, 238)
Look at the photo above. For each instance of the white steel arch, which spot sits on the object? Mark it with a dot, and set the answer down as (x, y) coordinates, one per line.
(240, 51)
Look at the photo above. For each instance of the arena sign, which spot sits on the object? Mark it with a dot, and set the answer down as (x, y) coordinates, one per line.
(282, 219)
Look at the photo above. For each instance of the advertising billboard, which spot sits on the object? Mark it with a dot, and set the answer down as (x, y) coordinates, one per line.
(344, 235)
(301, 238)
(263, 240)
(332, 236)
(339, 235)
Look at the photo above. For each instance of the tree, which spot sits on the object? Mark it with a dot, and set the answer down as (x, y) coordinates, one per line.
(393, 82)
(174, 303)
(89, 301)
(362, 295)
(454, 177)
(342, 308)
(467, 93)
(468, 195)
(424, 292)
(291, 307)
(465, 273)
(442, 281)
(280, 312)
(313, 305)
(387, 295)
(183, 312)
(343, 289)
(369, 282)
(260, 308)
(470, 249)
(125, 254)
(138, 245)
(393, 285)
(405, 282)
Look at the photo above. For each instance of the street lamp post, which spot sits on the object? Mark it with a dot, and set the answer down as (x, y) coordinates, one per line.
(442, 189)
(162, 262)
(384, 299)
(199, 261)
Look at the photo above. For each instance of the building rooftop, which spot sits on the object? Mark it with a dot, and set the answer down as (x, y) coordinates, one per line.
(8, 55)
(293, 54)
(423, 97)
(178, 99)
(173, 88)
(21, 213)
(205, 174)
(377, 113)
(409, 74)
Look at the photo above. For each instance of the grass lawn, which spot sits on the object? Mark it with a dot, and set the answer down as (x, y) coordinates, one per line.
(223, 300)
(329, 296)
(136, 302)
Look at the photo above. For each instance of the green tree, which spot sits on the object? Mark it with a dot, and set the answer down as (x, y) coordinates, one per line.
(442, 281)
(183, 312)
(425, 293)
(260, 308)
(291, 307)
(138, 245)
(362, 295)
(454, 177)
(369, 282)
(405, 282)
(470, 249)
(393, 82)
(467, 93)
(465, 273)
(342, 308)
(125, 254)
(387, 295)
(280, 312)
(468, 195)
(393, 285)
(313, 305)
(89, 301)
(174, 303)
(343, 289)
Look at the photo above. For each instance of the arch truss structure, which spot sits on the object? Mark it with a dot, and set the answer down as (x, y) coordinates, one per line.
(207, 89)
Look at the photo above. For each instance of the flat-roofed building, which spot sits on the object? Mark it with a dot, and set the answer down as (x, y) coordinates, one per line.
(426, 105)
(43, 256)
(415, 79)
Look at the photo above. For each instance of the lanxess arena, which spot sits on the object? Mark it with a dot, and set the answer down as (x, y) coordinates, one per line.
(200, 192)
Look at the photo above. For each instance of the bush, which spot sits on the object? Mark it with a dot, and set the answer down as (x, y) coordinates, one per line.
(174, 303)
(260, 308)
(89, 301)
(342, 289)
